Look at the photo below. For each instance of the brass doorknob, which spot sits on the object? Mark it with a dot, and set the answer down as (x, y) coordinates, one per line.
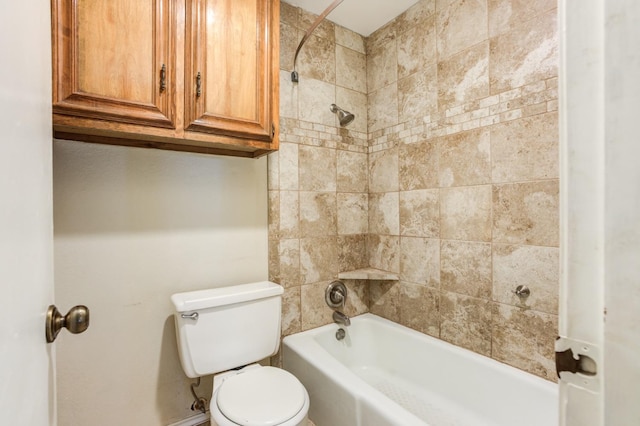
(76, 321)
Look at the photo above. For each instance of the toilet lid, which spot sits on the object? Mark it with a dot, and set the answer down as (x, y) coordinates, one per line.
(261, 397)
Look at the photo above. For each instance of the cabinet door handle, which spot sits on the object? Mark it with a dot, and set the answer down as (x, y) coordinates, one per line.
(163, 78)
(198, 85)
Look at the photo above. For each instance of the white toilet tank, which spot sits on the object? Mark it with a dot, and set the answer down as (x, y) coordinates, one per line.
(223, 328)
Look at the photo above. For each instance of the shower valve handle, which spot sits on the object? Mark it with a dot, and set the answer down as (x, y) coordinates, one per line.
(336, 295)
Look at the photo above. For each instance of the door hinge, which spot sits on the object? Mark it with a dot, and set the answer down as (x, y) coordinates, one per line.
(577, 363)
(273, 130)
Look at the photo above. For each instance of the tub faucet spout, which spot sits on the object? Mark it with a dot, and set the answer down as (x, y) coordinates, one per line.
(340, 318)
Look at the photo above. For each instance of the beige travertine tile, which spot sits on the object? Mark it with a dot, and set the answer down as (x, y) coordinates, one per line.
(273, 198)
(460, 24)
(314, 100)
(420, 213)
(466, 268)
(382, 107)
(289, 214)
(466, 321)
(525, 55)
(351, 69)
(382, 37)
(314, 309)
(352, 171)
(356, 103)
(353, 216)
(350, 39)
(420, 14)
(525, 339)
(273, 171)
(464, 77)
(318, 259)
(418, 164)
(417, 48)
(289, 262)
(465, 158)
(465, 213)
(318, 214)
(288, 96)
(383, 213)
(420, 261)
(289, 40)
(357, 297)
(526, 213)
(326, 29)
(317, 168)
(291, 311)
(383, 171)
(317, 60)
(420, 308)
(352, 252)
(288, 162)
(382, 67)
(532, 266)
(384, 299)
(274, 259)
(289, 14)
(383, 252)
(525, 149)
(506, 15)
(418, 94)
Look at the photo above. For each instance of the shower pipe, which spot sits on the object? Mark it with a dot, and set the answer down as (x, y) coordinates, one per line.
(294, 73)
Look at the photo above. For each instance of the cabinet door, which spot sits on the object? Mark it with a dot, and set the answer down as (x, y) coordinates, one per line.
(115, 60)
(230, 84)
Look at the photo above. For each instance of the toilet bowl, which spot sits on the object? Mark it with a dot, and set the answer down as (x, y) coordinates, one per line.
(259, 396)
(225, 331)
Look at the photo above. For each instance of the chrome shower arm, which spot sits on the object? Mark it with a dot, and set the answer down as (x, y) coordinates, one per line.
(294, 73)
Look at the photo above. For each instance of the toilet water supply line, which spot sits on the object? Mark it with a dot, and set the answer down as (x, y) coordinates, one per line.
(200, 403)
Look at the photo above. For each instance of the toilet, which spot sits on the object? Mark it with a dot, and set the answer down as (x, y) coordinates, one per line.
(226, 331)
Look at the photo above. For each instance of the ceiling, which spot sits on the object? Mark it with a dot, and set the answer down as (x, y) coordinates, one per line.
(361, 16)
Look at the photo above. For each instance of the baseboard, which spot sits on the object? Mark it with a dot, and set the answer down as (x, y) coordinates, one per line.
(192, 421)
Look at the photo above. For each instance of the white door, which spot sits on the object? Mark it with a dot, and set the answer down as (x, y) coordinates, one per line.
(26, 222)
(600, 177)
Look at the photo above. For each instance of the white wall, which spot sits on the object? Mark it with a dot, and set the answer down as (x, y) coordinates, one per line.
(131, 227)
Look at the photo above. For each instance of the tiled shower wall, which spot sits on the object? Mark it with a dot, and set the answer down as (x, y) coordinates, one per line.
(452, 180)
(318, 187)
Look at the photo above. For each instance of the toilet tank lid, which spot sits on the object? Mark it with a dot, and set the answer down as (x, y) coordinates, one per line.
(211, 298)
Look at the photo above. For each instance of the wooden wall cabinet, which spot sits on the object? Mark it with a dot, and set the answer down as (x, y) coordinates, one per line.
(186, 75)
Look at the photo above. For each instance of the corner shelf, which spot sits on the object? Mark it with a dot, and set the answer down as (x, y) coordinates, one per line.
(369, 274)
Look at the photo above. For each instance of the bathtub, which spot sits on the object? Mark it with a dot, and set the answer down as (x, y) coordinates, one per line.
(382, 374)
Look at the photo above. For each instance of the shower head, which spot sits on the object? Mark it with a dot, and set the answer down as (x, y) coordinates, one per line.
(345, 117)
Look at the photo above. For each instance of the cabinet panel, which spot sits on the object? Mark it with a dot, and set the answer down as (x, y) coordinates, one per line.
(116, 64)
(115, 60)
(229, 87)
(232, 84)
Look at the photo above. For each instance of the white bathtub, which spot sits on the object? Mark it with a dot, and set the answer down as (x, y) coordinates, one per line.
(385, 374)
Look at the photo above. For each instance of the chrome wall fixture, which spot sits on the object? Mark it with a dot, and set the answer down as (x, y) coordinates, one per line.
(345, 117)
(522, 291)
(294, 73)
(336, 296)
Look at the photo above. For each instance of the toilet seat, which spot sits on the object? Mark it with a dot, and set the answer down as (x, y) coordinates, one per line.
(263, 396)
